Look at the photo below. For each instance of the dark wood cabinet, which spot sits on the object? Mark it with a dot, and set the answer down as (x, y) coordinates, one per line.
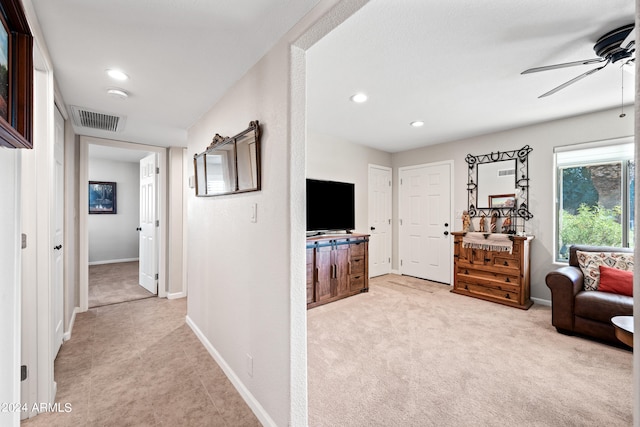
(337, 267)
(500, 277)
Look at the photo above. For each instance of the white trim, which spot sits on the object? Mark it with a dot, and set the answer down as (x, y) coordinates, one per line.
(540, 301)
(113, 261)
(258, 410)
(83, 230)
(594, 144)
(371, 166)
(185, 223)
(176, 295)
(396, 272)
(72, 321)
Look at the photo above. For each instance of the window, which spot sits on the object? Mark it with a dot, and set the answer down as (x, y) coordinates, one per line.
(595, 195)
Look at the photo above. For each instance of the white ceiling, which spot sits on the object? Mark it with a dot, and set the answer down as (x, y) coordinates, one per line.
(106, 152)
(454, 64)
(181, 56)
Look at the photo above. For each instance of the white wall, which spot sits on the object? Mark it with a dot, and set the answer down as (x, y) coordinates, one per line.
(334, 159)
(542, 138)
(114, 237)
(10, 289)
(246, 280)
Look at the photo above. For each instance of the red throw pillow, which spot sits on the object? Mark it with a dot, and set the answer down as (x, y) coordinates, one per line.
(616, 281)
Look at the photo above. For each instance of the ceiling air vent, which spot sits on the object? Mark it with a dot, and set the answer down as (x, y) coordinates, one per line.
(86, 118)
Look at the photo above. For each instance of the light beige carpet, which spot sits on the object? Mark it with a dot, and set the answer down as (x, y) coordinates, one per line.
(410, 353)
(115, 283)
(139, 364)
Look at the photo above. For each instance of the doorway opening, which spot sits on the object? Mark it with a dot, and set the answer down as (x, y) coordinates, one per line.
(114, 226)
(120, 250)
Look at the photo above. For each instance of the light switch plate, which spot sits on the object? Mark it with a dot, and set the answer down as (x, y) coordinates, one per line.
(254, 212)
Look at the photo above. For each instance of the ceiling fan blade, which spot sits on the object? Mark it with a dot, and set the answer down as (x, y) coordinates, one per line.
(572, 81)
(564, 65)
(630, 40)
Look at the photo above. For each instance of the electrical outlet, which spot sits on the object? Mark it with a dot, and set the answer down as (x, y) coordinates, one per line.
(249, 365)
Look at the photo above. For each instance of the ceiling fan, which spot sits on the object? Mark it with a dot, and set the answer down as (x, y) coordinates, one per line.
(617, 46)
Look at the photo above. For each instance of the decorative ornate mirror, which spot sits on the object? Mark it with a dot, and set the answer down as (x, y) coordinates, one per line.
(229, 165)
(499, 182)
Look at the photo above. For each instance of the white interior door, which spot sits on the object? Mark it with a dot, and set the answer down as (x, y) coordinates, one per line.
(148, 224)
(425, 222)
(57, 264)
(379, 220)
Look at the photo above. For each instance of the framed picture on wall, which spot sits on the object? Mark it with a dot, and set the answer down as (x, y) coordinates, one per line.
(102, 197)
(16, 76)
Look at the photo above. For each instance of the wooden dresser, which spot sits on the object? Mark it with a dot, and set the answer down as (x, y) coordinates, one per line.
(337, 267)
(496, 276)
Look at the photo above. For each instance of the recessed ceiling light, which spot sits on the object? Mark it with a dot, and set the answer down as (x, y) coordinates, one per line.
(417, 123)
(117, 75)
(359, 98)
(118, 93)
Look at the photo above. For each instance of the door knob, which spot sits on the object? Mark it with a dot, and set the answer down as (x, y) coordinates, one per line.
(57, 248)
(373, 228)
(446, 233)
(139, 229)
(446, 224)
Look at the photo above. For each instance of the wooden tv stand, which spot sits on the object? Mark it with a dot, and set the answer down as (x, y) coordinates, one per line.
(337, 267)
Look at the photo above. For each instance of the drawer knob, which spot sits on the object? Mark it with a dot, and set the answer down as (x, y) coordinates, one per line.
(507, 296)
(466, 287)
(506, 263)
(487, 259)
(507, 280)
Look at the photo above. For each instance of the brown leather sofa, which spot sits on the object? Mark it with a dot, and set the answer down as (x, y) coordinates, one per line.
(588, 313)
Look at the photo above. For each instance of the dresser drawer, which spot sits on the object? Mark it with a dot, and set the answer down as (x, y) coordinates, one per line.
(357, 265)
(510, 295)
(506, 260)
(357, 249)
(501, 276)
(356, 282)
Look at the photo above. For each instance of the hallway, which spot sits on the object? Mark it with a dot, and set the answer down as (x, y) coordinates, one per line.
(139, 364)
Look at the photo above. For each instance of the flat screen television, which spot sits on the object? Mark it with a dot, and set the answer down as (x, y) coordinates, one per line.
(330, 206)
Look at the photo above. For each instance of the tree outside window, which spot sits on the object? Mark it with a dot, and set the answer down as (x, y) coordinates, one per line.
(595, 199)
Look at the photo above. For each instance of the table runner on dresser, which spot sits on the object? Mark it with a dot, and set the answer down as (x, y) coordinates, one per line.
(488, 241)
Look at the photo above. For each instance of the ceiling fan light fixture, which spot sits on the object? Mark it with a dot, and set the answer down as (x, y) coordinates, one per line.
(118, 93)
(359, 98)
(117, 74)
(417, 123)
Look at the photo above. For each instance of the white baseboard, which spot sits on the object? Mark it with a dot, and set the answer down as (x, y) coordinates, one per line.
(541, 301)
(113, 261)
(176, 295)
(255, 406)
(67, 334)
(395, 272)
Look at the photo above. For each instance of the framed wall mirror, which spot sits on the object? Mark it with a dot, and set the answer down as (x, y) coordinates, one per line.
(229, 164)
(499, 182)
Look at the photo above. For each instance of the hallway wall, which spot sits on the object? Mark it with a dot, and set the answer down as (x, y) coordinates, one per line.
(114, 238)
